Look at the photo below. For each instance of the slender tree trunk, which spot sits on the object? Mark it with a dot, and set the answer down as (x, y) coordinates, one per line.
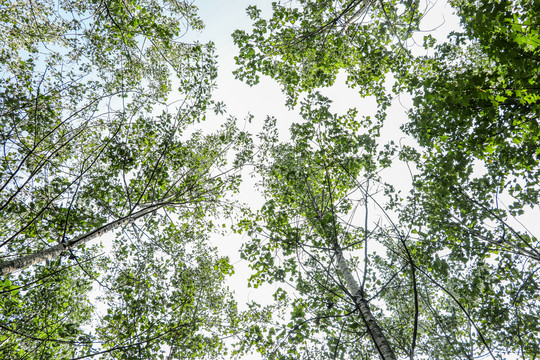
(374, 330)
(7, 267)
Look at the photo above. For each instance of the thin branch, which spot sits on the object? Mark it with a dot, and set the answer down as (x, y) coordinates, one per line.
(462, 309)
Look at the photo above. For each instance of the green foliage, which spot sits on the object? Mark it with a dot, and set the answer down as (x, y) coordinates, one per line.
(43, 315)
(475, 117)
(310, 184)
(478, 124)
(100, 102)
(306, 43)
(481, 167)
(171, 284)
(89, 136)
(81, 139)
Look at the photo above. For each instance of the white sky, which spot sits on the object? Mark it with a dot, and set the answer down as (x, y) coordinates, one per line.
(221, 19)
(266, 99)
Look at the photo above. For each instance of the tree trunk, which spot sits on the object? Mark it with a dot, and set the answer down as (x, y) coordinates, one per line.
(7, 267)
(374, 330)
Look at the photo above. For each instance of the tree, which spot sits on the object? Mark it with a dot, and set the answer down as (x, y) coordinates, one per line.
(479, 173)
(80, 141)
(95, 141)
(307, 184)
(91, 145)
(479, 123)
(42, 315)
(461, 241)
(487, 96)
(166, 299)
(413, 298)
(306, 43)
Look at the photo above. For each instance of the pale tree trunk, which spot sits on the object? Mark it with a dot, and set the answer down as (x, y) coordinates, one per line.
(7, 267)
(374, 330)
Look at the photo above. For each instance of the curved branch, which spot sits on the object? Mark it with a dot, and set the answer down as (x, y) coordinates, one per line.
(462, 309)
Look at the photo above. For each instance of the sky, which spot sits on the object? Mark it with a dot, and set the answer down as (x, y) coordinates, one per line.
(266, 99)
(221, 18)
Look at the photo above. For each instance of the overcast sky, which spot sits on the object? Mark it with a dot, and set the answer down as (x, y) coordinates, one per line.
(221, 19)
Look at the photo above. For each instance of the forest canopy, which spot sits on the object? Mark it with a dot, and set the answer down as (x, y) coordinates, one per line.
(116, 183)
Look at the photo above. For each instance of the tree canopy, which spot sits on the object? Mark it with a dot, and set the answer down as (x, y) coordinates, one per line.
(114, 190)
